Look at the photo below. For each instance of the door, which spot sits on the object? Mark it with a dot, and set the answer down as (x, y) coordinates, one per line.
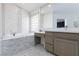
(65, 47)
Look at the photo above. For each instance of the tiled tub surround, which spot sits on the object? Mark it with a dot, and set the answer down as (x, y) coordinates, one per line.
(17, 35)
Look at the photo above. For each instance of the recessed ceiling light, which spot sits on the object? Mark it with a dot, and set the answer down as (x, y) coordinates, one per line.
(49, 5)
(23, 3)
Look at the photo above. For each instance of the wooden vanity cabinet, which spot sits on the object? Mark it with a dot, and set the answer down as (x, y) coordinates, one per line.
(49, 41)
(62, 43)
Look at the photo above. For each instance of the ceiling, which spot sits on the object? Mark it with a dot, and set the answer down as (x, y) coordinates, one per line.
(30, 6)
(66, 7)
(47, 9)
(56, 7)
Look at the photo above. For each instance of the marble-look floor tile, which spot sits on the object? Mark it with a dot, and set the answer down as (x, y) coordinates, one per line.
(23, 47)
(34, 51)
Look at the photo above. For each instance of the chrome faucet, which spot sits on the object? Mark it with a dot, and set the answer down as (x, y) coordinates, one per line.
(14, 34)
(66, 27)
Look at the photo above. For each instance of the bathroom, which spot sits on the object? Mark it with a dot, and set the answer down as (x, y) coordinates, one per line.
(19, 22)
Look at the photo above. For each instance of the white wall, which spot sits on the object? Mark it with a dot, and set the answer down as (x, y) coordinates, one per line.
(25, 21)
(0, 18)
(16, 19)
(47, 21)
(0, 25)
(19, 20)
(69, 17)
(10, 18)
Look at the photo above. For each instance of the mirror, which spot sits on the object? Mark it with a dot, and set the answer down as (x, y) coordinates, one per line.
(67, 11)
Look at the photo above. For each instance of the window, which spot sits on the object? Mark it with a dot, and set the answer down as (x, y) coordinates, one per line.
(35, 23)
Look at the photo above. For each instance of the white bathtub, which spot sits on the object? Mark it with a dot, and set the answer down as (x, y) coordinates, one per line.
(19, 35)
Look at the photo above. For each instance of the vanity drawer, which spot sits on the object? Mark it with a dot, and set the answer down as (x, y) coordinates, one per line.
(49, 47)
(48, 33)
(67, 35)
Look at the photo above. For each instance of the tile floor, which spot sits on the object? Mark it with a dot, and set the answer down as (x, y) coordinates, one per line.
(23, 47)
(35, 51)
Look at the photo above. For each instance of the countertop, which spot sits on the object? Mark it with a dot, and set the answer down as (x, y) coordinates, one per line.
(65, 30)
